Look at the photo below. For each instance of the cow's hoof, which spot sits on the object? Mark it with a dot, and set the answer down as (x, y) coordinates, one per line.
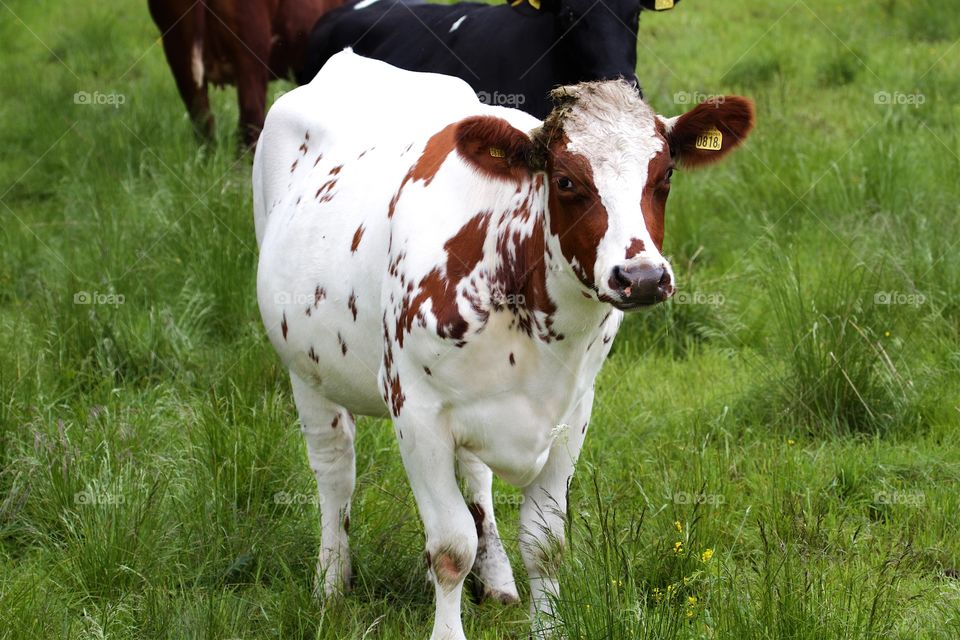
(503, 597)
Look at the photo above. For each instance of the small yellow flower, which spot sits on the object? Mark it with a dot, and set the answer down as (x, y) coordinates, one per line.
(692, 599)
(791, 441)
(706, 555)
(689, 613)
(678, 547)
(678, 526)
(886, 334)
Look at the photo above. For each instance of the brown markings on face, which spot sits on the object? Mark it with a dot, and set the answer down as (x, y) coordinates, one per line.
(337, 169)
(283, 325)
(635, 247)
(357, 236)
(653, 202)
(577, 215)
(464, 252)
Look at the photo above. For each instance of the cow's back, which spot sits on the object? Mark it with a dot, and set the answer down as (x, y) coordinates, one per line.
(331, 157)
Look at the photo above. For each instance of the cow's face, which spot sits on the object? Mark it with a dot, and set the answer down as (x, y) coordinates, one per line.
(610, 162)
(609, 159)
(599, 39)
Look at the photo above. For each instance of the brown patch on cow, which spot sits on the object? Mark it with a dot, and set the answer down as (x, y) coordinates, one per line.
(586, 295)
(396, 396)
(435, 152)
(427, 371)
(337, 169)
(464, 251)
(653, 202)
(357, 236)
(352, 305)
(319, 158)
(495, 148)
(283, 325)
(343, 345)
(293, 166)
(577, 218)
(346, 523)
(584, 429)
(513, 361)
(336, 421)
(318, 295)
(607, 339)
(312, 354)
(299, 198)
(308, 311)
(325, 192)
(521, 273)
(303, 148)
(635, 247)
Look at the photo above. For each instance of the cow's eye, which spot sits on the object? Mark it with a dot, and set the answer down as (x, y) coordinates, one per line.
(565, 184)
(669, 175)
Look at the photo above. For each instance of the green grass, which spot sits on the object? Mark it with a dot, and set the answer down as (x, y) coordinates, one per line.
(790, 422)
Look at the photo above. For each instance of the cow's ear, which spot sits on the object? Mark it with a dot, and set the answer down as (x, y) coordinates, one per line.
(658, 5)
(710, 130)
(495, 147)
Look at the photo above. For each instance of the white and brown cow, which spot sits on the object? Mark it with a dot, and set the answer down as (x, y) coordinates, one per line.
(464, 269)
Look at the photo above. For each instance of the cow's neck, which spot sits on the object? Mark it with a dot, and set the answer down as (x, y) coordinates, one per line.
(536, 283)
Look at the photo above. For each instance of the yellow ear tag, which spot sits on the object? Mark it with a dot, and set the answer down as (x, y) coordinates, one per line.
(710, 140)
(496, 152)
(535, 4)
(663, 5)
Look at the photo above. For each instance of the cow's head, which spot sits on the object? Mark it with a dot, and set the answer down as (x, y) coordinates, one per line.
(609, 158)
(599, 39)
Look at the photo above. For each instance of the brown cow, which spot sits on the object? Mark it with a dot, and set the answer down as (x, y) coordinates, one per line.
(242, 42)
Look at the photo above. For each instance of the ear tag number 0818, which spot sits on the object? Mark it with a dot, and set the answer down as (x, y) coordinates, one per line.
(710, 140)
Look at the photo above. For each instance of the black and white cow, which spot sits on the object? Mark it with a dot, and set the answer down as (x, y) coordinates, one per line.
(463, 269)
(512, 55)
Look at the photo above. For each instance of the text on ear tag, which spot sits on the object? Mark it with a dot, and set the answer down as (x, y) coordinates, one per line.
(662, 5)
(710, 140)
(497, 152)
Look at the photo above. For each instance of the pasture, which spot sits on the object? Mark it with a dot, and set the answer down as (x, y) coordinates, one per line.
(773, 454)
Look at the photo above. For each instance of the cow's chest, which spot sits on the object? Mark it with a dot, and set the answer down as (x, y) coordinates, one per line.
(506, 396)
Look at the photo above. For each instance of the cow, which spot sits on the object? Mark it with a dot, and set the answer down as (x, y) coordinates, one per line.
(242, 42)
(512, 55)
(463, 269)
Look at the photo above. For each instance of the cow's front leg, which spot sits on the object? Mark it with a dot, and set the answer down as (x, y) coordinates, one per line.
(543, 515)
(429, 458)
(492, 567)
(329, 433)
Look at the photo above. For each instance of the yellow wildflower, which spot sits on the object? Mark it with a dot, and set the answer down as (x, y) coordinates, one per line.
(706, 555)
(678, 526)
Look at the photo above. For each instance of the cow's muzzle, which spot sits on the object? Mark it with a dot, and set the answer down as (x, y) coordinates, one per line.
(641, 285)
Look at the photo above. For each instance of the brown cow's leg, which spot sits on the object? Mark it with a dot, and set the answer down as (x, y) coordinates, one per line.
(182, 28)
(252, 98)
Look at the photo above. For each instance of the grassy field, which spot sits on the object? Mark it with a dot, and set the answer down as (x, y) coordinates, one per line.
(789, 419)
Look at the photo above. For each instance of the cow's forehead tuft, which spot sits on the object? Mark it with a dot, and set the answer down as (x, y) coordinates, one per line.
(607, 121)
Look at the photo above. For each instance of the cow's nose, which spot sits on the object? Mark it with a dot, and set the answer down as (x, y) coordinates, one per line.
(642, 284)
